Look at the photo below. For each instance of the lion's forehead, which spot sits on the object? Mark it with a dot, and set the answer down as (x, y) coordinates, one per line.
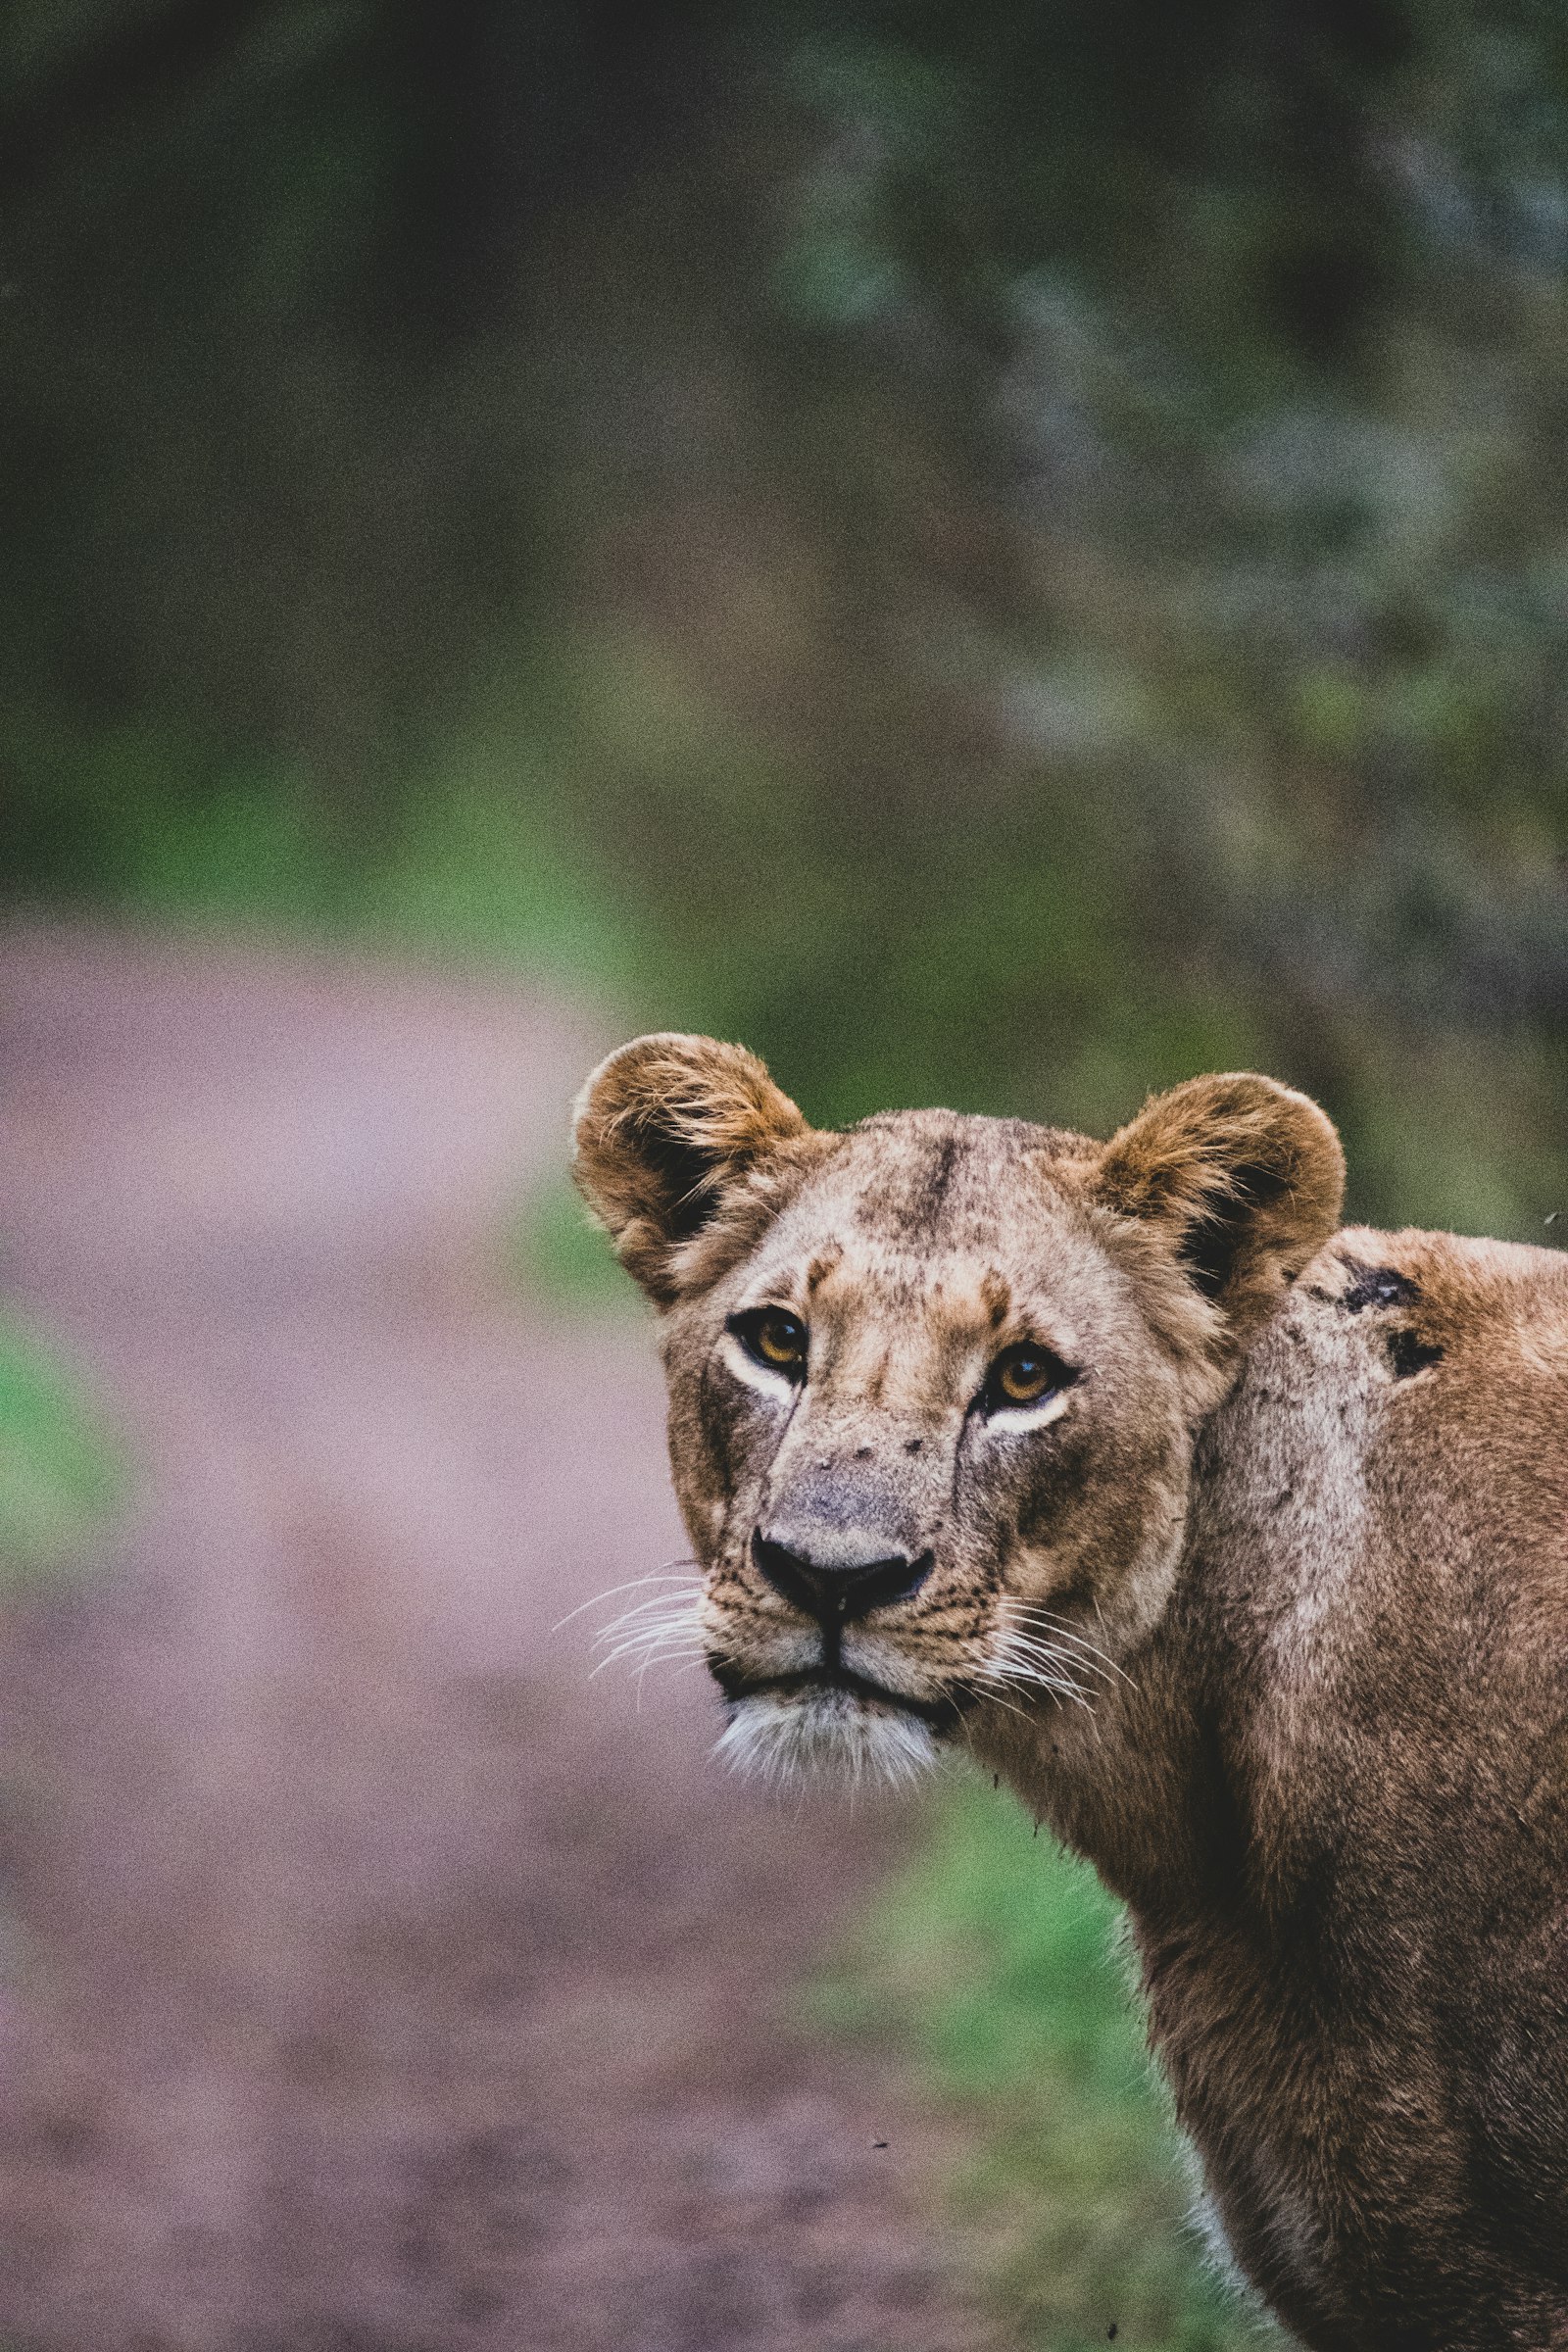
(916, 1178)
(934, 1213)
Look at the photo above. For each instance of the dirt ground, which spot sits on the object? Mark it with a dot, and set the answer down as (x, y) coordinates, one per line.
(375, 1980)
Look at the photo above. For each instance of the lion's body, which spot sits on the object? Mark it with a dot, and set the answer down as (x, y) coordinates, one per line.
(1260, 1597)
(1357, 1969)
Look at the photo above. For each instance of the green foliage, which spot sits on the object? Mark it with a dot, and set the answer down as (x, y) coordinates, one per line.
(471, 859)
(58, 1473)
(997, 1956)
(565, 1259)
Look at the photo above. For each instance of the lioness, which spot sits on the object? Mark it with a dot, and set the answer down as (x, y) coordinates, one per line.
(1237, 1543)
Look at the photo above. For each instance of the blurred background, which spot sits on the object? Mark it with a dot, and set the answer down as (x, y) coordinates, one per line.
(1004, 555)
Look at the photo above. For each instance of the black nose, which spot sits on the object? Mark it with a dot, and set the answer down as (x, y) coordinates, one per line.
(847, 1589)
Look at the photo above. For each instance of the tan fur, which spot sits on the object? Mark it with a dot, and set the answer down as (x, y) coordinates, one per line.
(1265, 1611)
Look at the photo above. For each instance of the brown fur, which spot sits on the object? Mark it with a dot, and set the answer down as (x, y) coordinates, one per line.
(1267, 1612)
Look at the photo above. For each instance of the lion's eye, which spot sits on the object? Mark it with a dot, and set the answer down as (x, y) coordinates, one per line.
(774, 1337)
(1026, 1375)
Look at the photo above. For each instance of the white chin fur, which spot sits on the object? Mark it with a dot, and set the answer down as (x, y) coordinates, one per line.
(826, 1736)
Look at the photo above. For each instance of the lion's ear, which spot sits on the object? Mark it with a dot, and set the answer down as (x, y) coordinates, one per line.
(663, 1132)
(1243, 1175)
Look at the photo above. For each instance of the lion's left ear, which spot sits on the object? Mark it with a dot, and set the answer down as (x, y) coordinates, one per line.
(1245, 1176)
(665, 1135)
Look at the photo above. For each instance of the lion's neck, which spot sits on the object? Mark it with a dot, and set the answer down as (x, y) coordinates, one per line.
(1134, 1780)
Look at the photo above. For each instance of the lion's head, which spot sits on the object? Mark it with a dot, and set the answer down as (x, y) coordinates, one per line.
(935, 1381)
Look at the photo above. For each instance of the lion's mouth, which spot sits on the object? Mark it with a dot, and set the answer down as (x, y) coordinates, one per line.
(939, 1714)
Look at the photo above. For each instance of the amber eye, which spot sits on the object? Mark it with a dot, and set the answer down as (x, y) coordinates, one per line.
(774, 1338)
(1026, 1375)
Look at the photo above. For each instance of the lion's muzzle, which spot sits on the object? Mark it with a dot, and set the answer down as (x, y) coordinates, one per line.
(836, 1577)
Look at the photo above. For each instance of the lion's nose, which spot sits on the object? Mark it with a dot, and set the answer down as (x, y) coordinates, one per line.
(842, 1582)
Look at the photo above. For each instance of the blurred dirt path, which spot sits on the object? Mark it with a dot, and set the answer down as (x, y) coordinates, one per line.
(377, 1982)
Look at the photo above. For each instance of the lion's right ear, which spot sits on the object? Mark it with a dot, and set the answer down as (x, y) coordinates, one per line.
(1243, 1177)
(664, 1135)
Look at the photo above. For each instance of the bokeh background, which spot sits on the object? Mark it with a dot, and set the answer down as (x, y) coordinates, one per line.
(1004, 553)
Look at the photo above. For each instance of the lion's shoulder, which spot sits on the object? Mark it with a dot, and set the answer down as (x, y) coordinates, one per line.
(1425, 1298)
(1396, 1448)
(1408, 1344)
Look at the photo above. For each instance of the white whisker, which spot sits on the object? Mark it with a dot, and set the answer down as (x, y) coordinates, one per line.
(994, 1698)
(672, 1644)
(663, 1626)
(1017, 1670)
(1028, 1618)
(1034, 1657)
(1062, 1629)
(671, 1575)
(1018, 1658)
(671, 1608)
(651, 1643)
(664, 1657)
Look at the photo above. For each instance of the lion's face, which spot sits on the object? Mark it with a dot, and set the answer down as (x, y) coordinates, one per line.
(934, 1384)
(927, 1447)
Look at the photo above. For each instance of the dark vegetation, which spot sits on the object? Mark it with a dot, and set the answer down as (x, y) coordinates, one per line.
(1003, 555)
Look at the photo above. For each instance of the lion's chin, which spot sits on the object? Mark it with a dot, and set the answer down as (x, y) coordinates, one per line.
(825, 1736)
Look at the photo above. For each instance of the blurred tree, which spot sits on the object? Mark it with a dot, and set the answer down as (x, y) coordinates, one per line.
(1030, 540)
